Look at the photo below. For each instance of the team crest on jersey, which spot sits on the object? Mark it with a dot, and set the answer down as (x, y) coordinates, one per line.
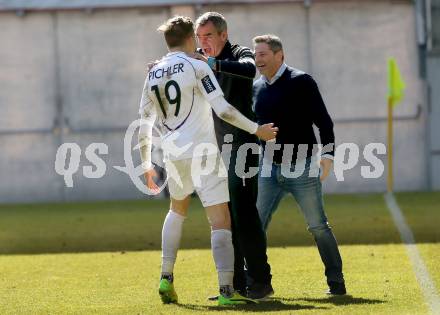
(208, 85)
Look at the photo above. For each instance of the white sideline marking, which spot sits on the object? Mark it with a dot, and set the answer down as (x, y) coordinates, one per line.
(427, 285)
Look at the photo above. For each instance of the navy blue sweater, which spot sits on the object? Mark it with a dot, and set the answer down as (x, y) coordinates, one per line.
(293, 103)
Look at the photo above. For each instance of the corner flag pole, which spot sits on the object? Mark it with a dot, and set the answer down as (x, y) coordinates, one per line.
(390, 178)
(395, 95)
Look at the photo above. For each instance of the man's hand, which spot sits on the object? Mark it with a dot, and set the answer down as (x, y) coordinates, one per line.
(266, 132)
(199, 56)
(326, 166)
(151, 185)
(151, 65)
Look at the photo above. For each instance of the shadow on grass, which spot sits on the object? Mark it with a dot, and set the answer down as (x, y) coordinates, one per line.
(335, 300)
(267, 306)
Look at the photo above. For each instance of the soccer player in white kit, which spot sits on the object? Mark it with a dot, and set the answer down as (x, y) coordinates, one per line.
(178, 95)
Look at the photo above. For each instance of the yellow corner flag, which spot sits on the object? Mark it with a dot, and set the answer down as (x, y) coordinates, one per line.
(395, 95)
(395, 83)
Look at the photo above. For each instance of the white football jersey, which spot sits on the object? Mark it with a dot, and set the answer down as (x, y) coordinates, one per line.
(178, 90)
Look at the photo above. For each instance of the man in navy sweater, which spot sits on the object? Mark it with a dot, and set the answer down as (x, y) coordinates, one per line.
(291, 100)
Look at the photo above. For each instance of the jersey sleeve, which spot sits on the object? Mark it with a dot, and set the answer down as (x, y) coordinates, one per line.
(146, 103)
(148, 115)
(230, 114)
(207, 82)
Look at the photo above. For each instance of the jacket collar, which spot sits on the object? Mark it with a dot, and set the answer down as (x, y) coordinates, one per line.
(226, 51)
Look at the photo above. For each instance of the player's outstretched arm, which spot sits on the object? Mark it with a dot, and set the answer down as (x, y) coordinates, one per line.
(266, 132)
(230, 114)
(210, 89)
(145, 146)
(145, 138)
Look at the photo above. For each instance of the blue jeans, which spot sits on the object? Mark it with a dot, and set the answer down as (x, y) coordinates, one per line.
(308, 194)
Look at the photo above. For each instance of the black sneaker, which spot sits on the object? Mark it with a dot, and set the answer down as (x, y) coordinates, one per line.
(260, 291)
(213, 298)
(336, 288)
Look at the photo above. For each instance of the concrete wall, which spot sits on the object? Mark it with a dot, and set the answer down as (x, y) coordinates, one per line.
(434, 116)
(86, 67)
(76, 76)
(350, 45)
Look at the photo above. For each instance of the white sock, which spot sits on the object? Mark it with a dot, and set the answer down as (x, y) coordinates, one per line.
(171, 234)
(223, 252)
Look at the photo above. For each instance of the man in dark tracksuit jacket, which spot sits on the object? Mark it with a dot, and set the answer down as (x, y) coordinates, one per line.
(234, 67)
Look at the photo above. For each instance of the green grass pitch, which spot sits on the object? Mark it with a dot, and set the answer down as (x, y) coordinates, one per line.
(104, 258)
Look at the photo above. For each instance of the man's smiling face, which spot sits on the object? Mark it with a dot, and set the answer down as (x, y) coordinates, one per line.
(266, 60)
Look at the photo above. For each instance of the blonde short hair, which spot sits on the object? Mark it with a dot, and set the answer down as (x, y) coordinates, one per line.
(176, 30)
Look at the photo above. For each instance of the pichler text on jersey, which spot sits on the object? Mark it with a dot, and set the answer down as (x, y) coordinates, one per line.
(159, 73)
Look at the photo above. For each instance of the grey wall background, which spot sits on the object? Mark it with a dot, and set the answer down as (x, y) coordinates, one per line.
(433, 76)
(77, 75)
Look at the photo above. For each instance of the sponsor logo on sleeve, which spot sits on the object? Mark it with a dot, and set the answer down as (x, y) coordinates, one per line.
(208, 85)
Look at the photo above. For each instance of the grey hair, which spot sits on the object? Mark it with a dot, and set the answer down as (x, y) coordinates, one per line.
(273, 41)
(216, 18)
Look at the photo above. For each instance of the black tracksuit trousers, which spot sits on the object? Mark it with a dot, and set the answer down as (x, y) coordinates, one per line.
(248, 236)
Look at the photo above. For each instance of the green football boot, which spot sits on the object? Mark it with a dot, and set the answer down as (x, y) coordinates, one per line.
(167, 292)
(235, 299)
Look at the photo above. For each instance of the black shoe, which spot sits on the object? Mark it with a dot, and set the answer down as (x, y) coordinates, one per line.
(260, 291)
(336, 288)
(215, 297)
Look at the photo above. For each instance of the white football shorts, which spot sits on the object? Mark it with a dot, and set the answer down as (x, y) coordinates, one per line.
(206, 175)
